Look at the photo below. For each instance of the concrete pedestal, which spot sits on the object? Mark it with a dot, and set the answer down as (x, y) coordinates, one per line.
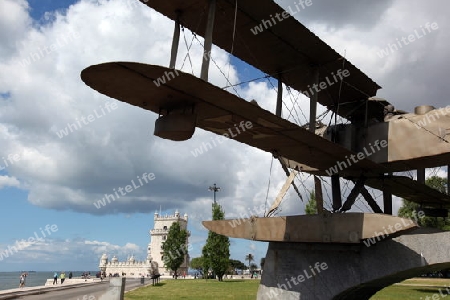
(341, 271)
(115, 290)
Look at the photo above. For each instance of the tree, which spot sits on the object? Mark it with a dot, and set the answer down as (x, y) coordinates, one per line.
(206, 263)
(175, 248)
(250, 258)
(437, 183)
(237, 265)
(311, 206)
(410, 209)
(253, 267)
(197, 264)
(216, 251)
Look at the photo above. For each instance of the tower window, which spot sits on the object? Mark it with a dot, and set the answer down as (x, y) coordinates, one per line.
(165, 227)
(164, 238)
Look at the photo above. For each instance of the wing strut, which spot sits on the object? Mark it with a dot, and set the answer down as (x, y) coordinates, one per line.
(359, 185)
(359, 188)
(208, 40)
(372, 203)
(175, 42)
(319, 195)
(286, 170)
(421, 176)
(281, 194)
(313, 102)
(448, 179)
(336, 192)
(387, 200)
(279, 96)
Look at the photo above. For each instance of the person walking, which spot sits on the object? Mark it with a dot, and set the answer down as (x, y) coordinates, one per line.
(63, 277)
(22, 280)
(70, 275)
(55, 278)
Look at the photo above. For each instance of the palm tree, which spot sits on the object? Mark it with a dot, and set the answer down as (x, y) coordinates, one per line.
(250, 258)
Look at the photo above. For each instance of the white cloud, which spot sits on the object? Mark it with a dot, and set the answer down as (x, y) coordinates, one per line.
(45, 95)
(57, 252)
(6, 181)
(120, 251)
(14, 21)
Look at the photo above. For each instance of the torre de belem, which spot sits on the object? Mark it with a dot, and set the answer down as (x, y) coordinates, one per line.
(154, 264)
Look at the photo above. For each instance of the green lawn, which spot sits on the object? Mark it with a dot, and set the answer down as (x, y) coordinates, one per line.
(412, 289)
(197, 289)
(415, 289)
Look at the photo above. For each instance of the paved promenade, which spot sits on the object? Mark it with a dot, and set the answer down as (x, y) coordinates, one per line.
(71, 289)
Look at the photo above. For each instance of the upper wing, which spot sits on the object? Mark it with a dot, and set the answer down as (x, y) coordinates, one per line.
(287, 48)
(220, 112)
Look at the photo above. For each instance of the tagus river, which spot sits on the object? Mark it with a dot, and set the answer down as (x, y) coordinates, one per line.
(10, 280)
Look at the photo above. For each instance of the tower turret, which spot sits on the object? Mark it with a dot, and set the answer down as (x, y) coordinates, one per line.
(103, 262)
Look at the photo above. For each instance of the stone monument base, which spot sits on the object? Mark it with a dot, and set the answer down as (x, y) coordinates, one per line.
(343, 271)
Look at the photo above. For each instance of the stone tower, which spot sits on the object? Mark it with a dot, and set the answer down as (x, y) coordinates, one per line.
(159, 234)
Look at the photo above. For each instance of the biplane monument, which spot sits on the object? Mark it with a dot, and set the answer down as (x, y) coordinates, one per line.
(309, 257)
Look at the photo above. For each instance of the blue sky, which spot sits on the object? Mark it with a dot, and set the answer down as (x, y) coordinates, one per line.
(56, 180)
(40, 7)
(24, 219)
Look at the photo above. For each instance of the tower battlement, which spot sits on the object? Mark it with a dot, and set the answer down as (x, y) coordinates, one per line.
(174, 217)
(158, 235)
(155, 259)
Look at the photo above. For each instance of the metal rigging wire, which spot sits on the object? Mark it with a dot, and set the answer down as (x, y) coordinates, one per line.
(188, 47)
(268, 186)
(288, 88)
(217, 66)
(233, 37)
(289, 109)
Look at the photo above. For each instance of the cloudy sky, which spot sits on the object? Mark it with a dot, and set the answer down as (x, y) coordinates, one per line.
(48, 177)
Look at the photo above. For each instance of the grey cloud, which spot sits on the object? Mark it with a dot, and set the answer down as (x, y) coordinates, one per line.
(362, 13)
(73, 172)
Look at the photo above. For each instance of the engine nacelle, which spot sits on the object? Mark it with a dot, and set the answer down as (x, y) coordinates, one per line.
(175, 127)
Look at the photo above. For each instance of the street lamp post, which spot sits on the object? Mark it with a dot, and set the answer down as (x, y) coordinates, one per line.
(214, 189)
